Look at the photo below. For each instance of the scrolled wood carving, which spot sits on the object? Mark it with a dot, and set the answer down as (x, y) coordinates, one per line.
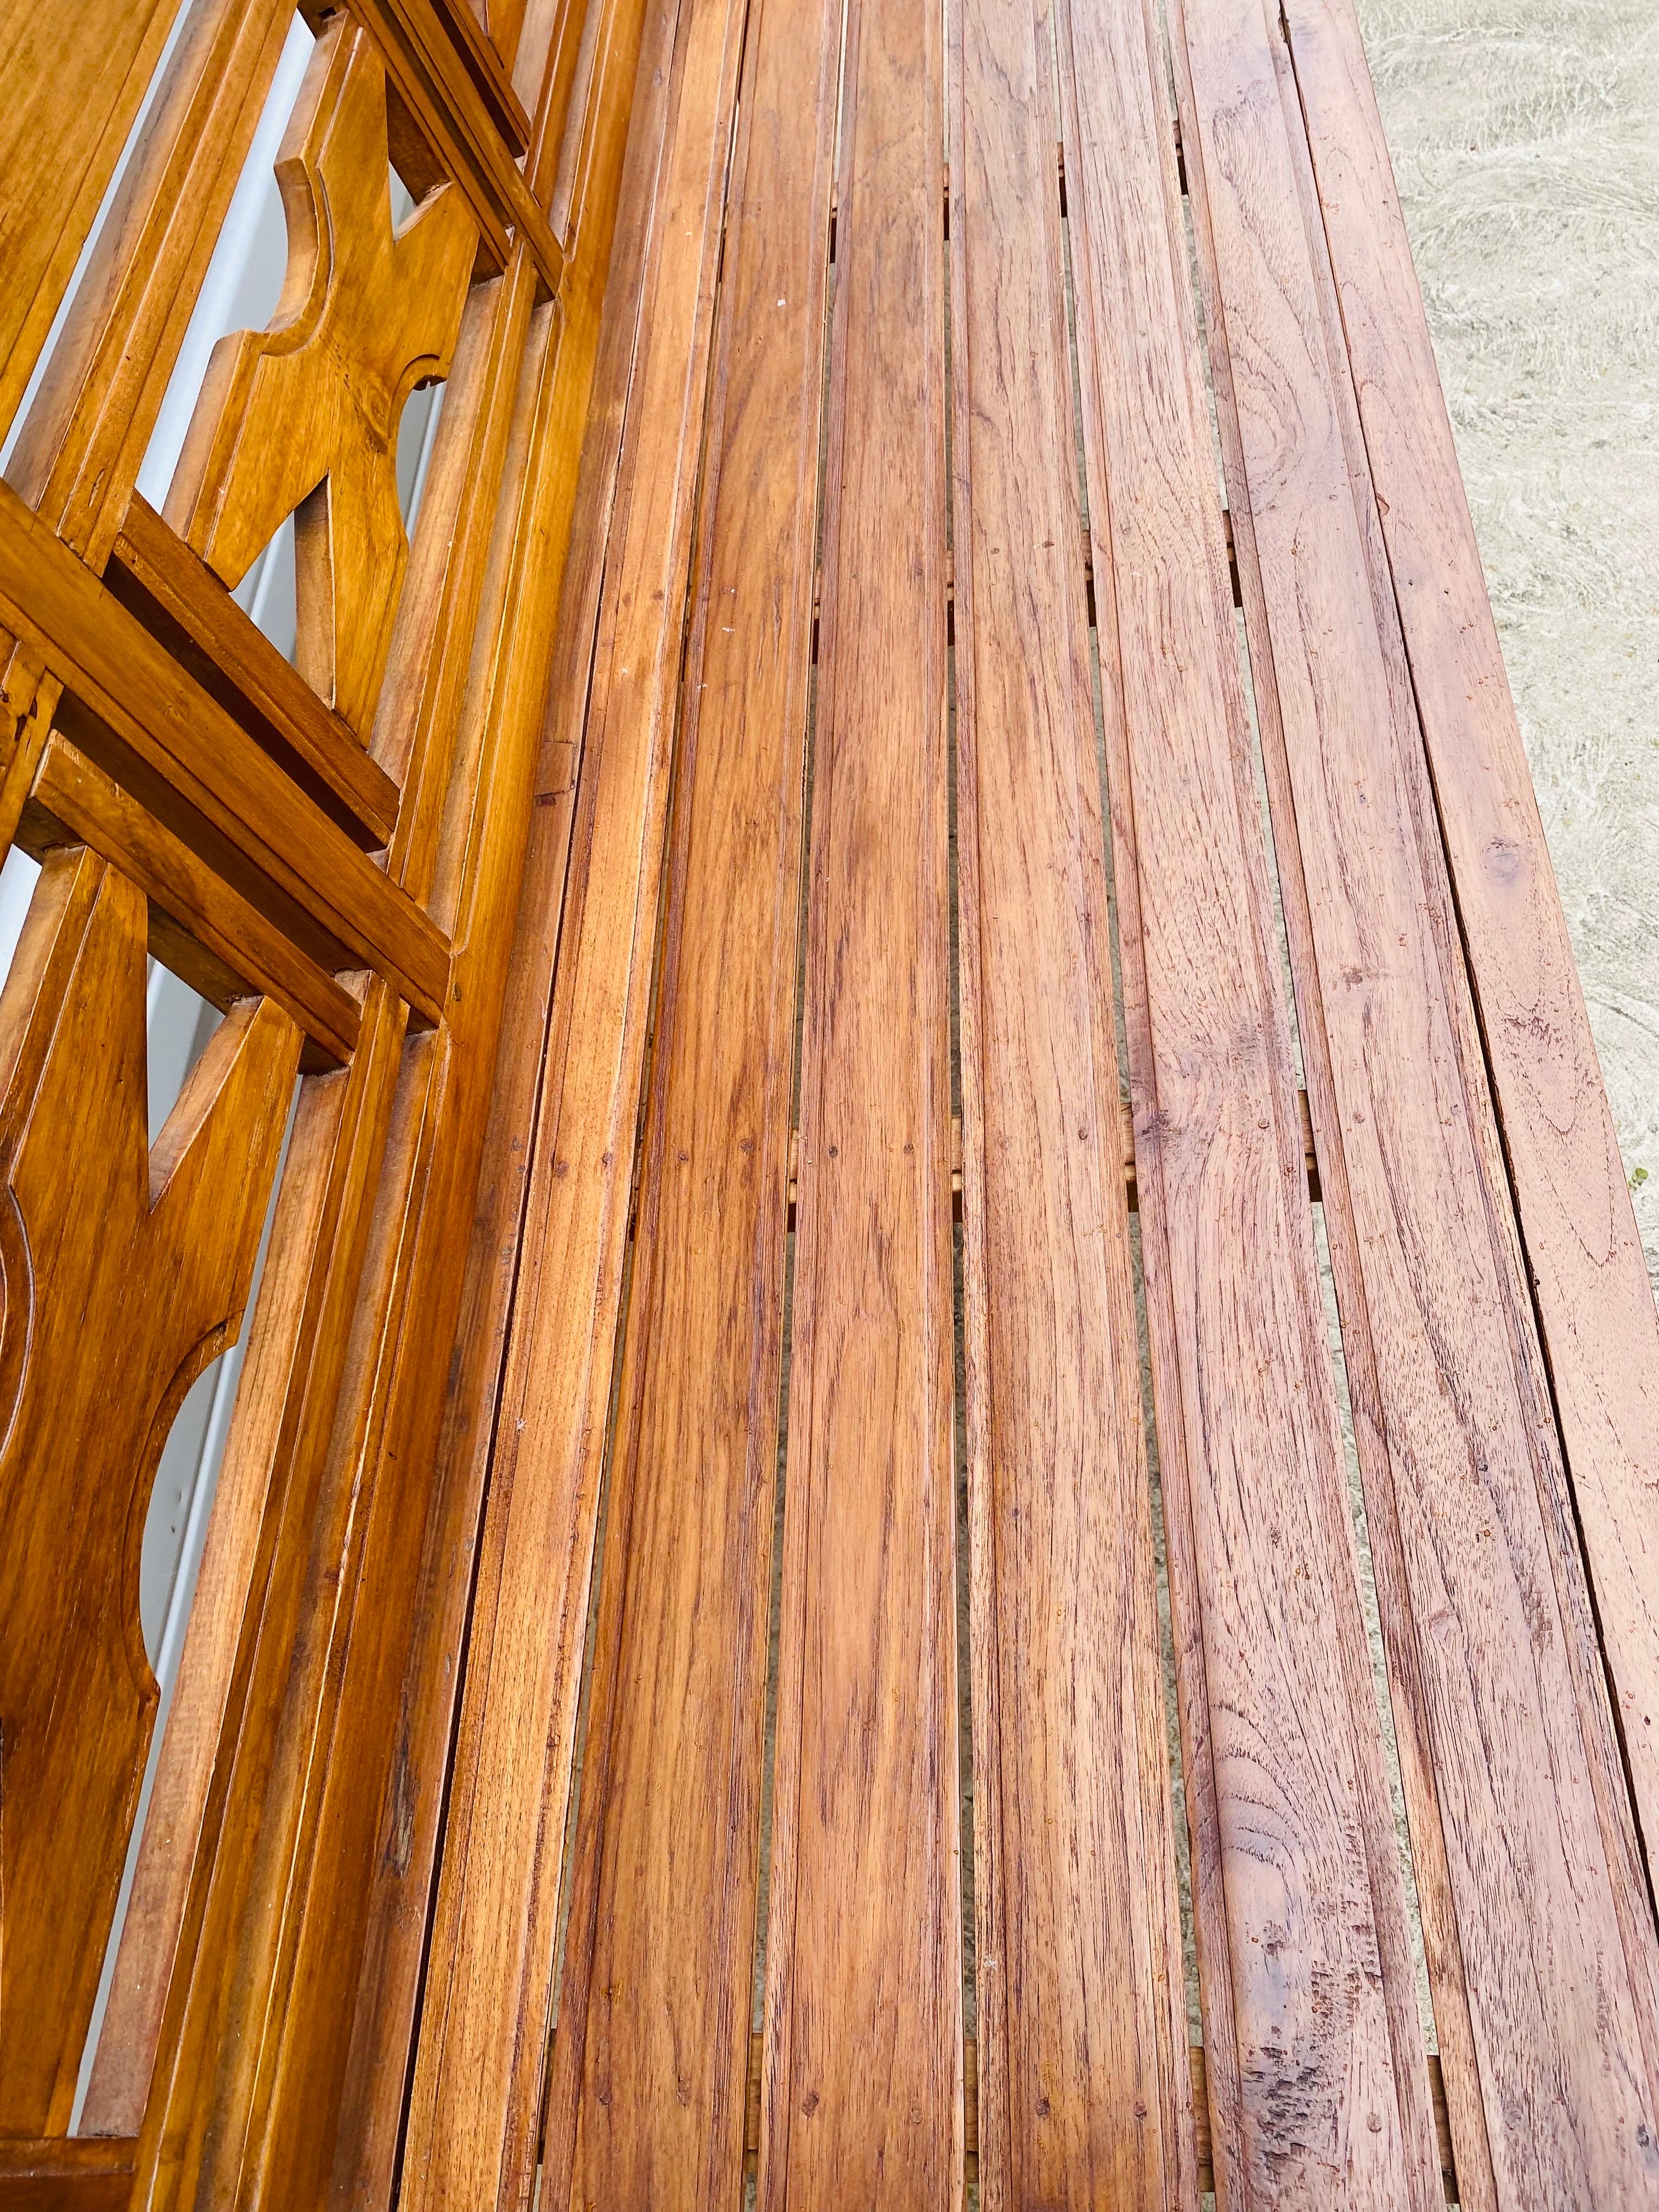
(302, 418)
(125, 1269)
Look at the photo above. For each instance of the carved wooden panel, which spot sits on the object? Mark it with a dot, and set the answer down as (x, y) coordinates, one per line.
(125, 1269)
(302, 418)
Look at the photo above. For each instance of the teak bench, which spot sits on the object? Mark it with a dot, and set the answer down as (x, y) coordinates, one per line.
(924, 844)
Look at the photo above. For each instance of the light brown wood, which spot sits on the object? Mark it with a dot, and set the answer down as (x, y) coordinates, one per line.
(861, 2098)
(303, 419)
(103, 1242)
(83, 441)
(1082, 2094)
(454, 121)
(206, 778)
(75, 803)
(1494, 1648)
(485, 2015)
(1316, 2078)
(645, 2095)
(183, 605)
(70, 83)
(1583, 1259)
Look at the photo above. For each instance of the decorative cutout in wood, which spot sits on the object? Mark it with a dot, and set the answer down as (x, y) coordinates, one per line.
(123, 1270)
(301, 418)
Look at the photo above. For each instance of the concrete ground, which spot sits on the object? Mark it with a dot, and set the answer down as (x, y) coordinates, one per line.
(1525, 135)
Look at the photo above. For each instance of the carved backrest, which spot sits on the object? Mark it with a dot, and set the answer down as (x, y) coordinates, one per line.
(328, 850)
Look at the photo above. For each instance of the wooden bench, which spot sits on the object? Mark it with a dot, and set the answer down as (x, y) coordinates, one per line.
(889, 1651)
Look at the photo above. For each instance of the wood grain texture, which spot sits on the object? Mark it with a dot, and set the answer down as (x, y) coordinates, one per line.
(1316, 2076)
(141, 712)
(103, 1240)
(476, 2094)
(66, 2174)
(302, 419)
(183, 604)
(1601, 1332)
(83, 441)
(276, 1627)
(509, 977)
(861, 2098)
(1542, 1933)
(647, 2095)
(75, 803)
(70, 84)
(1084, 2097)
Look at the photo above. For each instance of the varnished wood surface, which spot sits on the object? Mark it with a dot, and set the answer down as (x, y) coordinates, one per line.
(1316, 2077)
(1583, 1259)
(485, 2016)
(180, 602)
(521, 1318)
(140, 706)
(646, 2098)
(70, 88)
(222, 945)
(861, 2095)
(1082, 2044)
(66, 2174)
(1536, 1921)
(112, 1243)
(302, 419)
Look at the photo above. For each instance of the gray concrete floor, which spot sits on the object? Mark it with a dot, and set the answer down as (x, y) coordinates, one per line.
(1525, 137)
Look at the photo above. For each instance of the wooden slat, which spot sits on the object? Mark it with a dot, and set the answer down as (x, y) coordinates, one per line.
(67, 2174)
(70, 85)
(1585, 1260)
(84, 805)
(411, 1814)
(131, 688)
(1318, 2082)
(445, 98)
(182, 603)
(1542, 1955)
(476, 2100)
(1084, 2095)
(83, 441)
(645, 2102)
(862, 2095)
(484, 62)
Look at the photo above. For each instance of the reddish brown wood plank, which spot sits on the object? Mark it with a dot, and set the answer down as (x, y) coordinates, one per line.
(1600, 1328)
(1084, 2096)
(646, 2105)
(1536, 1918)
(1317, 2078)
(476, 2096)
(862, 2094)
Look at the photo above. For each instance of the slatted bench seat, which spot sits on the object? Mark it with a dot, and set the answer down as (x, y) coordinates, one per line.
(876, 600)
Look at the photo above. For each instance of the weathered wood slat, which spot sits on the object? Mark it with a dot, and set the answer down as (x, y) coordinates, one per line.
(1084, 2095)
(476, 2095)
(645, 2102)
(862, 2094)
(1584, 1260)
(1530, 1903)
(1316, 2075)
